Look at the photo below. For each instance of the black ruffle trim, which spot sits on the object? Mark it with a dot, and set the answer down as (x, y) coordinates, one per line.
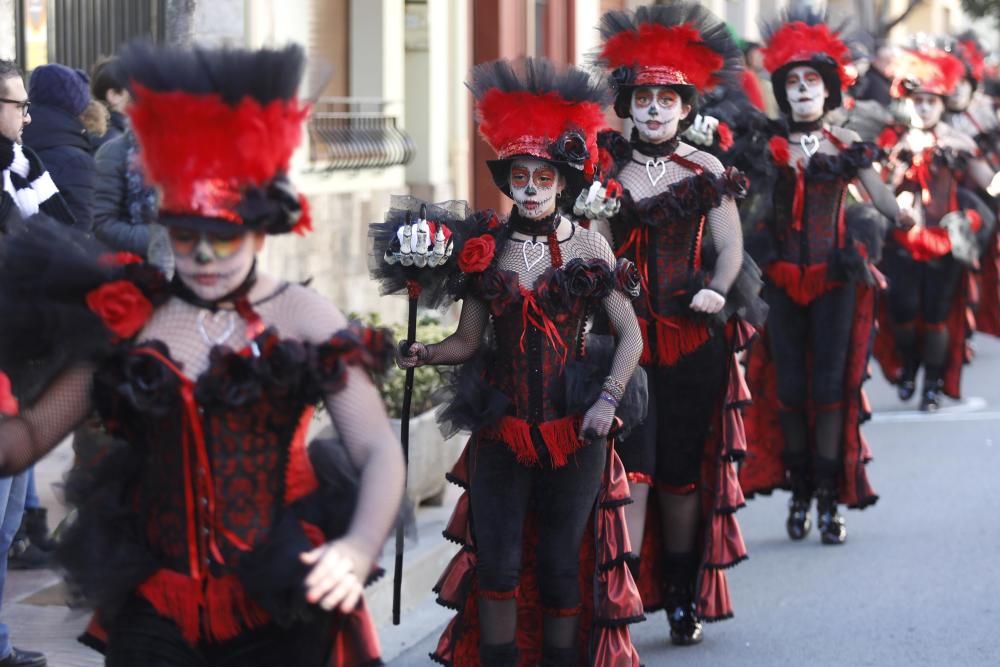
(690, 198)
(844, 165)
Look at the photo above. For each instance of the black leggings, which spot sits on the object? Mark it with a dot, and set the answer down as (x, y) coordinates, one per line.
(670, 444)
(822, 327)
(502, 492)
(143, 637)
(921, 290)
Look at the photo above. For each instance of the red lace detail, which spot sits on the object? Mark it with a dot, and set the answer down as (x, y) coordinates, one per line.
(498, 595)
(802, 283)
(640, 478)
(683, 490)
(561, 438)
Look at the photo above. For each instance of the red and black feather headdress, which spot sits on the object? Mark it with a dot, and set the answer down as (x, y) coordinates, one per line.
(683, 45)
(926, 70)
(528, 108)
(802, 36)
(217, 129)
(971, 51)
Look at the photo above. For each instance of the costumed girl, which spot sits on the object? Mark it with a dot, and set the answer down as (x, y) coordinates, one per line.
(971, 110)
(541, 578)
(209, 533)
(803, 428)
(674, 199)
(928, 265)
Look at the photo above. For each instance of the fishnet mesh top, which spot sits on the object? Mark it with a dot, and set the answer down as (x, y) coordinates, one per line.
(574, 242)
(297, 313)
(723, 220)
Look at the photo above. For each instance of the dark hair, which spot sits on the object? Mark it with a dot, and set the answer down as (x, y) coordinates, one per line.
(8, 70)
(750, 46)
(106, 75)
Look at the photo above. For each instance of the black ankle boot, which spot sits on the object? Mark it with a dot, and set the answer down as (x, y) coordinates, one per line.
(559, 657)
(930, 400)
(37, 527)
(800, 481)
(798, 524)
(498, 655)
(831, 526)
(685, 627)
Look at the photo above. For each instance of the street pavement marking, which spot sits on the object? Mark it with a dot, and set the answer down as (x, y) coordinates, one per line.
(969, 410)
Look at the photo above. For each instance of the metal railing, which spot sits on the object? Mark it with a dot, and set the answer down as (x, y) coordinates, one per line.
(356, 133)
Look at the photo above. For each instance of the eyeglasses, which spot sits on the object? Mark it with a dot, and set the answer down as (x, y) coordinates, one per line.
(185, 241)
(20, 104)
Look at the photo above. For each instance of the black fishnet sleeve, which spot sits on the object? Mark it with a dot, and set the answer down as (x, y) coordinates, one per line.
(36, 431)
(467, 339)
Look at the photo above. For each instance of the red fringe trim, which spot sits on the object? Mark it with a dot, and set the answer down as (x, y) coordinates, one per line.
(924, 243)
(802, 284)
(300, 478)
(216, 609)
(675, 337)
(561, 438)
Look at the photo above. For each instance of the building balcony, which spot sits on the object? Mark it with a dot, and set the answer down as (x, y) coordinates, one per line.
(356, 133)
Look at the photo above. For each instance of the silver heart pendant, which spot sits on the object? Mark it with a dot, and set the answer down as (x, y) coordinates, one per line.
(810, 144)
(226, 318)
(653, 164)
(534, 252)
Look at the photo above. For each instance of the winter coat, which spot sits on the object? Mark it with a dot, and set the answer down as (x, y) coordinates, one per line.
(117, 125)
(61, 142)
(125, 205)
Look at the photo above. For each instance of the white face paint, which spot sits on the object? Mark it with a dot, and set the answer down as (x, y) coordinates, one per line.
(806, 92)
(534, 186)
(960, 99)
(656, 111)
(925, 110)
(212, 265)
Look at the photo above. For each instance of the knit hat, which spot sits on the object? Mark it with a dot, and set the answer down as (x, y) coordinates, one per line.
(61, 87)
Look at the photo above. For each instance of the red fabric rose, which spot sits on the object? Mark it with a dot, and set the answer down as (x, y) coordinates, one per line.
(779, 150)
(477, 254)
(8, 402)
(122, 306)
(888, 138)
(118, 259)
(725, 136)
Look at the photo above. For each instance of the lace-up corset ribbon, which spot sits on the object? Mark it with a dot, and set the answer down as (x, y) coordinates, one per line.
(809, 228)
(537, 332)
(222, 457)
(663, 235)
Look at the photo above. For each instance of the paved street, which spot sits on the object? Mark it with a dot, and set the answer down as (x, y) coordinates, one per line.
(917, 583)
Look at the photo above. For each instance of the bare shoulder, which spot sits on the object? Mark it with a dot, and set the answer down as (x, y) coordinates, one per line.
(705, 160)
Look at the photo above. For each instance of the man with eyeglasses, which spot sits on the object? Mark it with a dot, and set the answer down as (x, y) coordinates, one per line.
(27, 189)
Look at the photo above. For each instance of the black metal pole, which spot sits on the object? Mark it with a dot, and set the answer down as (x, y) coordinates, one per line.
(404, 438)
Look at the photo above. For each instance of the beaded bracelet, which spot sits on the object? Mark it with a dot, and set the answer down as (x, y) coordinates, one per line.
(614, 388)
(608, 398)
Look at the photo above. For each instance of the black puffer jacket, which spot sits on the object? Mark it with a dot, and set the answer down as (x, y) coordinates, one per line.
(60, 140)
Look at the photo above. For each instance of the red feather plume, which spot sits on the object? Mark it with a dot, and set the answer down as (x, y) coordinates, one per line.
(932, 70)
(798, 41)
(189, 139)
(516, 120)
(974, 57)
(656, 46)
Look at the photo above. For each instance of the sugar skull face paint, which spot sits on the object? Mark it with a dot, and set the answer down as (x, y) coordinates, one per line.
(806, 92)
(962, 97)
(656, 112)
(534, 187)
(213, 265)
(925, 110)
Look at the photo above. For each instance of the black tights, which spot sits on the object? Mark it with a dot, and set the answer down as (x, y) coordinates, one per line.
(142, 637)
(502, 493)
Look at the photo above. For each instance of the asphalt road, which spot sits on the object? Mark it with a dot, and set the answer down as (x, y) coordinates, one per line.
(917, 582)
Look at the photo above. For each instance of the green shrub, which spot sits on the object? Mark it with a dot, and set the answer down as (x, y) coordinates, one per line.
(426, 379)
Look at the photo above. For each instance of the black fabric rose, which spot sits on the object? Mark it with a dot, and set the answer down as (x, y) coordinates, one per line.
(150, 280)
(283, 363)
(571, 147)
(734, 183)
(147, 384)
(588, 278)
(232, 379)
(552, 292)
(621, 77)
(498, 288)
(628, 278)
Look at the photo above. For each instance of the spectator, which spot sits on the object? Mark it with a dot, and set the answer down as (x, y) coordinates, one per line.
(875, 81)
(96, 122)
(754, 59)
(109, 88)
(124, 205)
(27, 188)
(58, 96)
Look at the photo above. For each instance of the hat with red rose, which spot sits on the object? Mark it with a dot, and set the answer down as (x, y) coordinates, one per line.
(971, 51)
(529, 108)
(682, 45)
(803, 37)
(217, 129)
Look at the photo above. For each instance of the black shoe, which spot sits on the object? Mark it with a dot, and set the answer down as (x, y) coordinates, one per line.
(36, 525)
(906, 389)
(685, 628)
(19, 658)
(798, 524)
(930, 401)
(831, 526)
(24, 555)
